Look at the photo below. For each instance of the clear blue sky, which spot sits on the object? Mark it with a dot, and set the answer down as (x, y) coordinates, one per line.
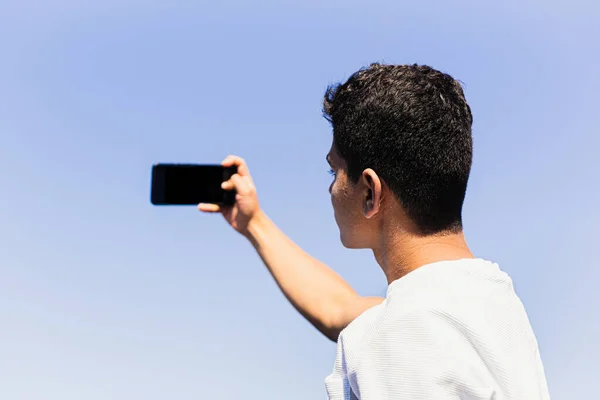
(103, 296)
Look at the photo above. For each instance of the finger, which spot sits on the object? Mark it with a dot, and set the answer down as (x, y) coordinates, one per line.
(228, 160)
(235, 161)
(249, 182)
(242, 184)
(209, 208)
(227, 185)
(246, 181)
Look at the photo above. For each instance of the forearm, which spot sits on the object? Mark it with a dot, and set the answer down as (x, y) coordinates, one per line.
(314, 289)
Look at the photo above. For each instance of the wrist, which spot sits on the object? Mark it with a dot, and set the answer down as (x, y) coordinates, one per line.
(255, 226)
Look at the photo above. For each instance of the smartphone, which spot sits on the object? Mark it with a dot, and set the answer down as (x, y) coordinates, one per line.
(190, 184)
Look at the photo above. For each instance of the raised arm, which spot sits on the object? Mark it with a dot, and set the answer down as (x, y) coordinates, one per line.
(314, 289)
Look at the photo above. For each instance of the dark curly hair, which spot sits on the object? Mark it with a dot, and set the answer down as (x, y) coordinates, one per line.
(412, 125)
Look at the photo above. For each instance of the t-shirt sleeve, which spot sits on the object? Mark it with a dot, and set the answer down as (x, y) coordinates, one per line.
(424, 355)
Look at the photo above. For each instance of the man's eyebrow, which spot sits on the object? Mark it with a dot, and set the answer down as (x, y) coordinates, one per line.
(328, 159)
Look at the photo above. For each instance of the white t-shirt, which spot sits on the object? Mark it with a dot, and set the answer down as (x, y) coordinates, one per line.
(448, 330)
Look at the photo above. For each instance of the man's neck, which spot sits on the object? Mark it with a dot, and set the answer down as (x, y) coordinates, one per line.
(401, 253)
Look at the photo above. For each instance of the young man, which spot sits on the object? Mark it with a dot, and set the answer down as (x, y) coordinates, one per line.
(451, 325)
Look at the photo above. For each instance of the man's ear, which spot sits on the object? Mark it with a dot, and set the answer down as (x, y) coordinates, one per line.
(373, 192)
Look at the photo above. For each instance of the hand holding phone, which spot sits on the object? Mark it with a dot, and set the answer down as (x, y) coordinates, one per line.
(225, 188)
(246, 207)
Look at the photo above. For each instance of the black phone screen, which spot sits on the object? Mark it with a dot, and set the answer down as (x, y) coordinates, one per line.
(190, 184)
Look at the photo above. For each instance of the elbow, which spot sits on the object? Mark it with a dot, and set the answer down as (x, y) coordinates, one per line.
(337, 320)
(346, 312)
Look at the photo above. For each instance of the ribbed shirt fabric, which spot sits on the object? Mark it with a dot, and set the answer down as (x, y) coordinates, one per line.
(447, 330)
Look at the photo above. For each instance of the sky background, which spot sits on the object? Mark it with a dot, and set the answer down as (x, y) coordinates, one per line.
(103, 296)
